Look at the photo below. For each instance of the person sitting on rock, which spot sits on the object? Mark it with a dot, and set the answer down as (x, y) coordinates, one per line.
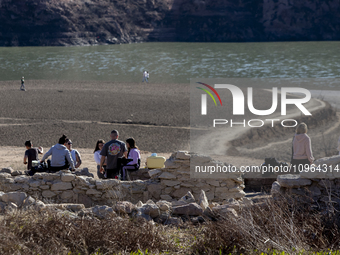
(30, 155)
(59, 153)
(133, 158)
(74, 153)
(99, 145)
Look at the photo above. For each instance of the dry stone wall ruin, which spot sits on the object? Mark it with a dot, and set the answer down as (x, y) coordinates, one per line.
(170, 184)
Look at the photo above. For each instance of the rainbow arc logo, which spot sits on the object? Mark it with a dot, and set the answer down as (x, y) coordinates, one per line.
(204, 97)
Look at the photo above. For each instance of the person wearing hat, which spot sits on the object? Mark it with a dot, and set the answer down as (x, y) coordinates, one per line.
(22, 84)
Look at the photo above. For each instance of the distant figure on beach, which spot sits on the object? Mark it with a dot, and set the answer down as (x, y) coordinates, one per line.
(145, 76)
(133, 158)
(22, 84)
(59, 154)
(74, 153)
(302, 148)
(99, 145)
(30, 155)
(112, 150)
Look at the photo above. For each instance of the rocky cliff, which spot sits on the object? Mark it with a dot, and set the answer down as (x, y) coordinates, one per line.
(89, 22)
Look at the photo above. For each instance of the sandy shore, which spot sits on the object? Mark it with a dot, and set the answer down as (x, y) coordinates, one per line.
(156, 115)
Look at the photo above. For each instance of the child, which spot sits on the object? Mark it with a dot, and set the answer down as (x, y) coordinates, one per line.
(31, 154)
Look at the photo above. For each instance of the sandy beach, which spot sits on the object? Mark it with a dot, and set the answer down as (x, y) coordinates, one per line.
(156, 115)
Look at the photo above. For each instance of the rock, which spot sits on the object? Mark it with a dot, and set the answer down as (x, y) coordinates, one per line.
(15, 197)
(334, 160)
(22, 179)
(197, 220)
(188, 198)
(103, 212)
(182, 155)
(124, 207)
(276, 188)
(139, 204)
(29, 201)
(292, 181)
(191, 209)
(151, 209)
(203, 201)
(154, 173)
(225, 210)
(164, 205)
(155, 190)
(48, 194)
(16, 173)
(67, 177)
(93, 192)
(61, 186)
(8, 170)
(175, 221)
(69, 207)
(83, 172)
(170, 183)
(166, 175)
(209, 212)
(2, 207)
(67, 194)
(166, 197)
(11, 206)
(141, 216)
(231, 203)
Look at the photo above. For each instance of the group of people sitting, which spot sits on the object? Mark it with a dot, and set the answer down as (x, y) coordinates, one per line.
(114, 159)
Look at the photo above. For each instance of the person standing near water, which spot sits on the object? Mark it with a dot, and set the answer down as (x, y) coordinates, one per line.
(22, 84)
(145, 76)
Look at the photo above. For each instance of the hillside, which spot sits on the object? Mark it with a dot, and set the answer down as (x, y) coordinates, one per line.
(91, 22)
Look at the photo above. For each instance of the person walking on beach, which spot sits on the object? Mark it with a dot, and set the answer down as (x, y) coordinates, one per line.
(22, 84)
(112, 150)
(302, 148)
(59, 154)
(30, 155)
(145, 76)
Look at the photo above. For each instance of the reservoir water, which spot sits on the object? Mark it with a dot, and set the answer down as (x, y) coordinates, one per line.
(173, 62)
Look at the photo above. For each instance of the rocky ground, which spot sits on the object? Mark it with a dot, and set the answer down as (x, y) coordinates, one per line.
(76, 22)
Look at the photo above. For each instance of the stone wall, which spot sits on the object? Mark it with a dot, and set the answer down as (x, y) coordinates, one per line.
(170, 183)
(312, 185)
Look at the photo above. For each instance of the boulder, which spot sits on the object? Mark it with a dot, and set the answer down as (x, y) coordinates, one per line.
(188, 198)
(124, 207)
(182, 155)
(163, 205)
(293, 181)
(276, 188)
(151, 209)
(103, 212)
(191, 209)
(15, 197)
(225, 210)
(203, 201)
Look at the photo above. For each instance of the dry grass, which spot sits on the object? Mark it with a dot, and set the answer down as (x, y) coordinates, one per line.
(285, 226)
